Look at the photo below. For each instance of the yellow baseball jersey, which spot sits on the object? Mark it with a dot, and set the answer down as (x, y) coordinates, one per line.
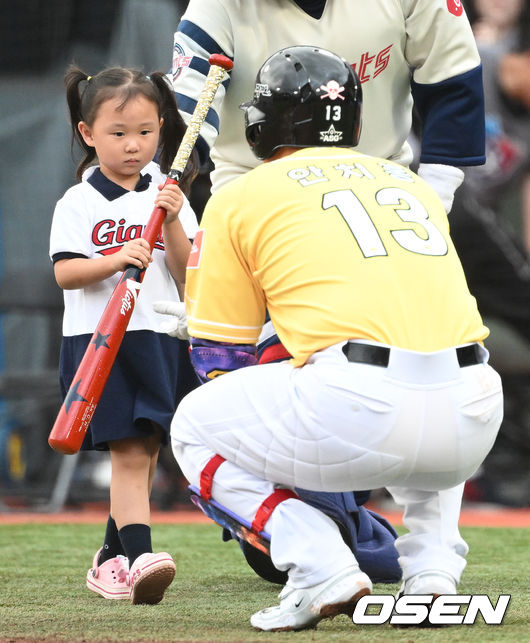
(336, 245)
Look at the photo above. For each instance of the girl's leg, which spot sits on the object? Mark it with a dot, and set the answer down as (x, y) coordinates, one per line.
(133, 464)
(133, 467)
(112, 545)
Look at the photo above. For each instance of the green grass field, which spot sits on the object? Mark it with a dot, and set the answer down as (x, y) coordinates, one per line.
(43, 595)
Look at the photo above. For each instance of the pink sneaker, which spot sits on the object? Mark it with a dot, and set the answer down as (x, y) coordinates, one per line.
(150, 576)
(110, 579)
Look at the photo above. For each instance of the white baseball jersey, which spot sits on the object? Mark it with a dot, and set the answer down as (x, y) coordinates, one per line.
(384, 40)
(96, 217)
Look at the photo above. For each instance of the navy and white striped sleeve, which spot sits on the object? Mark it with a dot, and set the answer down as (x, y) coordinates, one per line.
(191, 49)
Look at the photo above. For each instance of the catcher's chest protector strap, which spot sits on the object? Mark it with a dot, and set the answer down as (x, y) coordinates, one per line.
(207, 475)
(264, 510)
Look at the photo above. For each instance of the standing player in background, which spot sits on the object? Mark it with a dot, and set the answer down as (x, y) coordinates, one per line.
(403, 51)
(119, 117)
(385, 42)
(389, 383)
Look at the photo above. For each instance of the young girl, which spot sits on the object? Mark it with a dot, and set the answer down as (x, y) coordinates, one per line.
(123, 119)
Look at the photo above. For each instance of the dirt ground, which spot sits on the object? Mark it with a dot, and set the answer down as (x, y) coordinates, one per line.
(471, 516)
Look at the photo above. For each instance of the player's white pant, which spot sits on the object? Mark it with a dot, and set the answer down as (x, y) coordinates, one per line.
(419, 427)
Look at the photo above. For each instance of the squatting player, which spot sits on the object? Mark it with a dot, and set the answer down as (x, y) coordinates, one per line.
(385, 42)
(389, 384)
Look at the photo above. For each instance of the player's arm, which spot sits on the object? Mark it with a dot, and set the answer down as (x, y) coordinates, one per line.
(447, 90)
(211, 359)
(225, 304)
(203, 30)
(452, 116)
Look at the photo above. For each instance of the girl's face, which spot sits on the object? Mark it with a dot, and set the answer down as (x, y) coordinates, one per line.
(500, 13)
(125, 139)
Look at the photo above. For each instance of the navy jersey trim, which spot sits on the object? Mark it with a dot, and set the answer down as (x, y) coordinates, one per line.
(200, 64)
(198, 35)
(314, 8)
(452, 117)
(67, 255)
(112, 191)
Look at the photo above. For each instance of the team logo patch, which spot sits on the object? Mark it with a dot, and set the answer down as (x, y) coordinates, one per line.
(333, 90)
(331, 135)
(196, 249)
(455, 7)
(180, 60)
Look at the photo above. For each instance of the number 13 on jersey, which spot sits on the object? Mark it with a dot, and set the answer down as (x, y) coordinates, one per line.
(407, 207)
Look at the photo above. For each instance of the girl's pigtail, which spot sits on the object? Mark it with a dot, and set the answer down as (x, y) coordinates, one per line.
(73, 78)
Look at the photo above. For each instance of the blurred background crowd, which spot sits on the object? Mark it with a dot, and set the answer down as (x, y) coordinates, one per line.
(490, 222)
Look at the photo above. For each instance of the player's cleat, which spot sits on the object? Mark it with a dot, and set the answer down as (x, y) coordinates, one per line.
(150, 576)
(304, 608)
(429, 582)
(110, 579)
(433, 582)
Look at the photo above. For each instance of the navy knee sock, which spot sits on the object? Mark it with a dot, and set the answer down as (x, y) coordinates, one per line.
(136, 540)
(112, 545)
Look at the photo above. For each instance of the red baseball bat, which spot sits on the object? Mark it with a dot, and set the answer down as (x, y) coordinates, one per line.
(76, 412)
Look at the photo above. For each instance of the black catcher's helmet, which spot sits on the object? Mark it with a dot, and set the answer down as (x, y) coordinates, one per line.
(305, 96)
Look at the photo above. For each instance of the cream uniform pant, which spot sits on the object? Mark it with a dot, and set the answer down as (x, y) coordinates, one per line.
(419, 427)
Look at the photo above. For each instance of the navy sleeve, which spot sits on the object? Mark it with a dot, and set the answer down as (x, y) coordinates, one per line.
(67, 255)
(452, 118)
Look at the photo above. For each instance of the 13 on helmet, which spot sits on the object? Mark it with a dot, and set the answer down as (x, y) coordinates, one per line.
(304, 97)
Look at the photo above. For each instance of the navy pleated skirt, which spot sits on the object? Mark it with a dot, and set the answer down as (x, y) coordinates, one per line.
(150, 376)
